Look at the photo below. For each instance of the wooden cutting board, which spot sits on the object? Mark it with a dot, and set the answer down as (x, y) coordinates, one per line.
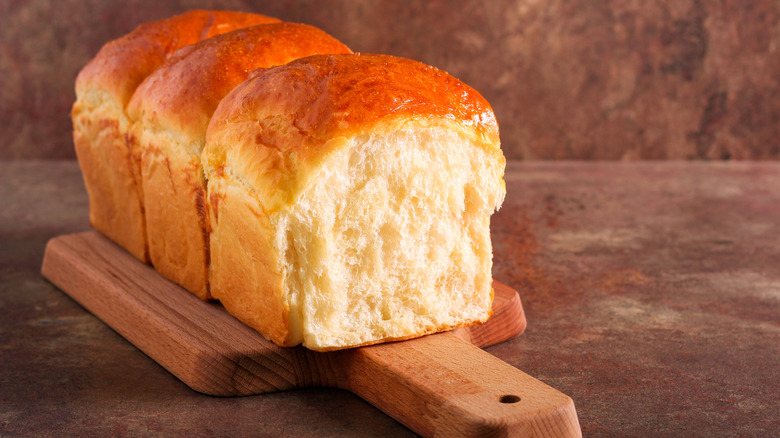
(438, 385)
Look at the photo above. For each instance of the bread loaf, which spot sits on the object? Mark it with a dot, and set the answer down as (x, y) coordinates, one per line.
(169, 114)
(349, 199)
(103, 88)
(332, 201)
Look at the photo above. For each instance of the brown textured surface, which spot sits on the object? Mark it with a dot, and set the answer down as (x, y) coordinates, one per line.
(652, 292)
(575, 79)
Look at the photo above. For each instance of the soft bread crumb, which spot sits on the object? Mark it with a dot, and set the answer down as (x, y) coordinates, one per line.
(391, 240)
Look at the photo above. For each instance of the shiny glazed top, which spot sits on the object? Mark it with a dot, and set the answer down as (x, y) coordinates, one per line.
(121, 64)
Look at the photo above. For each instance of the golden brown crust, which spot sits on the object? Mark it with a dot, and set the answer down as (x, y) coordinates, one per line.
(335, 95)
(182, 94)
(175, 225)
(327, 97)
(122, 64)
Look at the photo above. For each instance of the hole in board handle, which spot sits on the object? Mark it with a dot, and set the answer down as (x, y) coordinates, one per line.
(509, 399)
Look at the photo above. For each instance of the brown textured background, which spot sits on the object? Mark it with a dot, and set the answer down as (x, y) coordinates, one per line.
(568, 79)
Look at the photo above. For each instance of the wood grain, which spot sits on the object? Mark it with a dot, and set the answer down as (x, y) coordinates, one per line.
(439, 385)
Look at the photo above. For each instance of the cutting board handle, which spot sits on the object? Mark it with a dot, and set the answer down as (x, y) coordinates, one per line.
(441, 385)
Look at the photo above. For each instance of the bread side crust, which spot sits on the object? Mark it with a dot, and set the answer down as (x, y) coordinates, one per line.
(104, 147)
(246, 274)
(176, 218)
(115, 208)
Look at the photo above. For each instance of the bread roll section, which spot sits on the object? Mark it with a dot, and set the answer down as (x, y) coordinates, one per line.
(103, 88)
(169, 114)
(349, 199)
(326, 198)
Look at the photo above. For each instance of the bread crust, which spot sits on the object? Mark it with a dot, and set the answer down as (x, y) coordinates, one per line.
(248, 282)
(115, 209)
(122, 64)
(103, 88)
(182, 95)
(169, 114)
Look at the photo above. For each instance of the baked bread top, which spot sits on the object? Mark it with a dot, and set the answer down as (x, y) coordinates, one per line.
(181, 96)
(279, 124)
(122, 64)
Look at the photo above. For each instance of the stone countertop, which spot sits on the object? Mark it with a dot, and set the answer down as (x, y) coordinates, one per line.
(652, 292)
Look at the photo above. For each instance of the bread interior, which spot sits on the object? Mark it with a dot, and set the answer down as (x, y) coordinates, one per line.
(391, 240)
